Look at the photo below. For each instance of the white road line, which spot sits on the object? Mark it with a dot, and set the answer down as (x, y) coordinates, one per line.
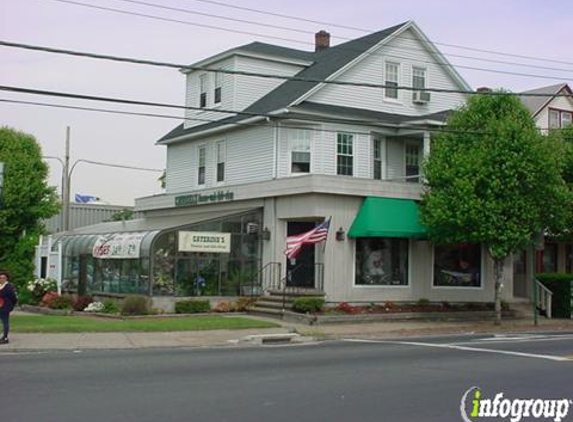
(464, 348)
(515, 339)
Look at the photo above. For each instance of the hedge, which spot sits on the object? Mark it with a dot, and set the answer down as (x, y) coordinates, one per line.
(560, 286)
(192, 306)
(308, 304)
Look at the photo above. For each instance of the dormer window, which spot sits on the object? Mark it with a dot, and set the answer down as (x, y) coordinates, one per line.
(217, 85)
(203, 91)
(392, 72)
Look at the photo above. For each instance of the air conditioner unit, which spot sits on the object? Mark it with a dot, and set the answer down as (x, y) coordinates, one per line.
(420, 97)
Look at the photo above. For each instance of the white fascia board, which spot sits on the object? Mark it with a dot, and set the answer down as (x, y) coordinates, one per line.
(449, 68)
(223, 56)
(215, 130)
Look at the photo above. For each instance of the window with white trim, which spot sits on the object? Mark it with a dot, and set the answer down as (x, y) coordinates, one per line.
(377, 158)
(221, 158)
(381, 261)
(391, 80)
(300, 151)
(554, 120)
(201, 153)
(419, 78)
(566, 119)
(345, 154)
(217, 85)
(457, 266)
(412, 162)
(203, 90)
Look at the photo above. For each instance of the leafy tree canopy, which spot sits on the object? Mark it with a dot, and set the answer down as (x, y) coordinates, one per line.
(27, 200)
(493, 178)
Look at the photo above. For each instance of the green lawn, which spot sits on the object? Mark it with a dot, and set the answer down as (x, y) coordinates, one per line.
(80, 324)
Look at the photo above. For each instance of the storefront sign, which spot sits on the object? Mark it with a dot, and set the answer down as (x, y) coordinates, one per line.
(118, 246)
(213, 242)
(198, 199)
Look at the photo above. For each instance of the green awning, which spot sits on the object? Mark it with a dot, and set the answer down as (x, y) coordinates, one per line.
(387, 217)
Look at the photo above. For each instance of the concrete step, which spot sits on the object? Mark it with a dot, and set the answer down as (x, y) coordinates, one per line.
(296, 292)
(273, 304)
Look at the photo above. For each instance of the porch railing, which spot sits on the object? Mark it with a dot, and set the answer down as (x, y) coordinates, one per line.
(544, 298)
(267, 278)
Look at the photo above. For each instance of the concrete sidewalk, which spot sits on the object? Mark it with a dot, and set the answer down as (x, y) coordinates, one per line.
(85, 341)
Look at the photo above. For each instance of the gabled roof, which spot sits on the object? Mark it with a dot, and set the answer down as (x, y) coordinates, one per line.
(325, 63)
(536, 104)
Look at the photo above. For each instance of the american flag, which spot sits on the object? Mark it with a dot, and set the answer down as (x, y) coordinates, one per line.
(295, 243)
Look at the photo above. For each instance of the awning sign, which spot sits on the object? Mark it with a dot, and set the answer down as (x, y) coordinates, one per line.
(213, 242)
(118, 246)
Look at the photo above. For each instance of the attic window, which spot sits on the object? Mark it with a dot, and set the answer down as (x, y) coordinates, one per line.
(217, 92)
(203, 91)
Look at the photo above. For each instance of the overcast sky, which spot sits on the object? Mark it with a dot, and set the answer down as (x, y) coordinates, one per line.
(536, 28)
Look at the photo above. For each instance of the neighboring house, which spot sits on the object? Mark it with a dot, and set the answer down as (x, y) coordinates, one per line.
(259, 159)
(551, 110)
(82, 215)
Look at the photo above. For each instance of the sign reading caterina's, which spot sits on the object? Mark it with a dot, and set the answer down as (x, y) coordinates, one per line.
(213, 242)
(197, 199)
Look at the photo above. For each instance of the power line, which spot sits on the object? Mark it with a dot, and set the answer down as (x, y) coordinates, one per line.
(261, 75)
(282, 38)
(99, 163)
(188, 11)
(313, 119)
(299, 18)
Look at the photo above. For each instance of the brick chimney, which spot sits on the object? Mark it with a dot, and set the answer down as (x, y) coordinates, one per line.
(321, 41)
(483, 89)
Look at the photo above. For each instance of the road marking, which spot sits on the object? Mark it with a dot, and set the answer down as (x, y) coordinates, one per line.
(463, 348)
(517, 339)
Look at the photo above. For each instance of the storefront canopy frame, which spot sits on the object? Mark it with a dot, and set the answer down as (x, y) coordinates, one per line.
(388, 217)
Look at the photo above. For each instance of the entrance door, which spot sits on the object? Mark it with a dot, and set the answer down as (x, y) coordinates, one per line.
(302, 269)
(519, 274)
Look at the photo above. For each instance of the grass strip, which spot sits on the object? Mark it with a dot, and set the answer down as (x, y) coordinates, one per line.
(81, 324)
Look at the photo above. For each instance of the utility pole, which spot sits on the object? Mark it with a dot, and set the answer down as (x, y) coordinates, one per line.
(66, 185)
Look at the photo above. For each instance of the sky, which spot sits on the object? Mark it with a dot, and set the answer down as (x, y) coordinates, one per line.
(539, 29)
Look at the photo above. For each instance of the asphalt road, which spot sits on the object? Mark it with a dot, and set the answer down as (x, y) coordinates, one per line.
(402, 380)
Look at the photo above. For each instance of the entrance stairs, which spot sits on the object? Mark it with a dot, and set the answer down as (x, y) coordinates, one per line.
(276, 302)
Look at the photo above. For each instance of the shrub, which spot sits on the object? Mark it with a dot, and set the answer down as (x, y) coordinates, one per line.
(225, 307)
(423, 302)
(40, 286)
(94, 307)
(135, 305)
(192, 306)
(82, 302)
(110, 307)
(244, 303)
(560, 285)
(61, 302)
(308, 304)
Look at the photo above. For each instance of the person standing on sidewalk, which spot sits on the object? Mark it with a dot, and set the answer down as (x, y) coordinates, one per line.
(8, 300)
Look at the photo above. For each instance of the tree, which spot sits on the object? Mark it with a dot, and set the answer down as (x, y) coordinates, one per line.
(493, 179)
(123, 215)
(26, 201)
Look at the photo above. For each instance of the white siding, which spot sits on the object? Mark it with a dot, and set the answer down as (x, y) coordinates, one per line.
(395, 163)
(407, 52)
(249, 159)
(560, 103)
(249, 89)
(227, 93)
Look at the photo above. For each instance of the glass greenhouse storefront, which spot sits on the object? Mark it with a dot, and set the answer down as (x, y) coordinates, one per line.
(152, 262)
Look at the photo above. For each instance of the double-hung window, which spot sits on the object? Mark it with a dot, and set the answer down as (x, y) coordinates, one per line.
(554, 120)
(300, 151)
(377, 158)
(201, 152)
(217, 85)
(412, 163)
(566, 118)
(221, 158)
(419, 77)
(203, 90)
(392, 72)
(345, 154)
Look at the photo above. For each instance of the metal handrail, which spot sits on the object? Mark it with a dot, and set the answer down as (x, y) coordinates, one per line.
(263, 280)
(544, 298)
